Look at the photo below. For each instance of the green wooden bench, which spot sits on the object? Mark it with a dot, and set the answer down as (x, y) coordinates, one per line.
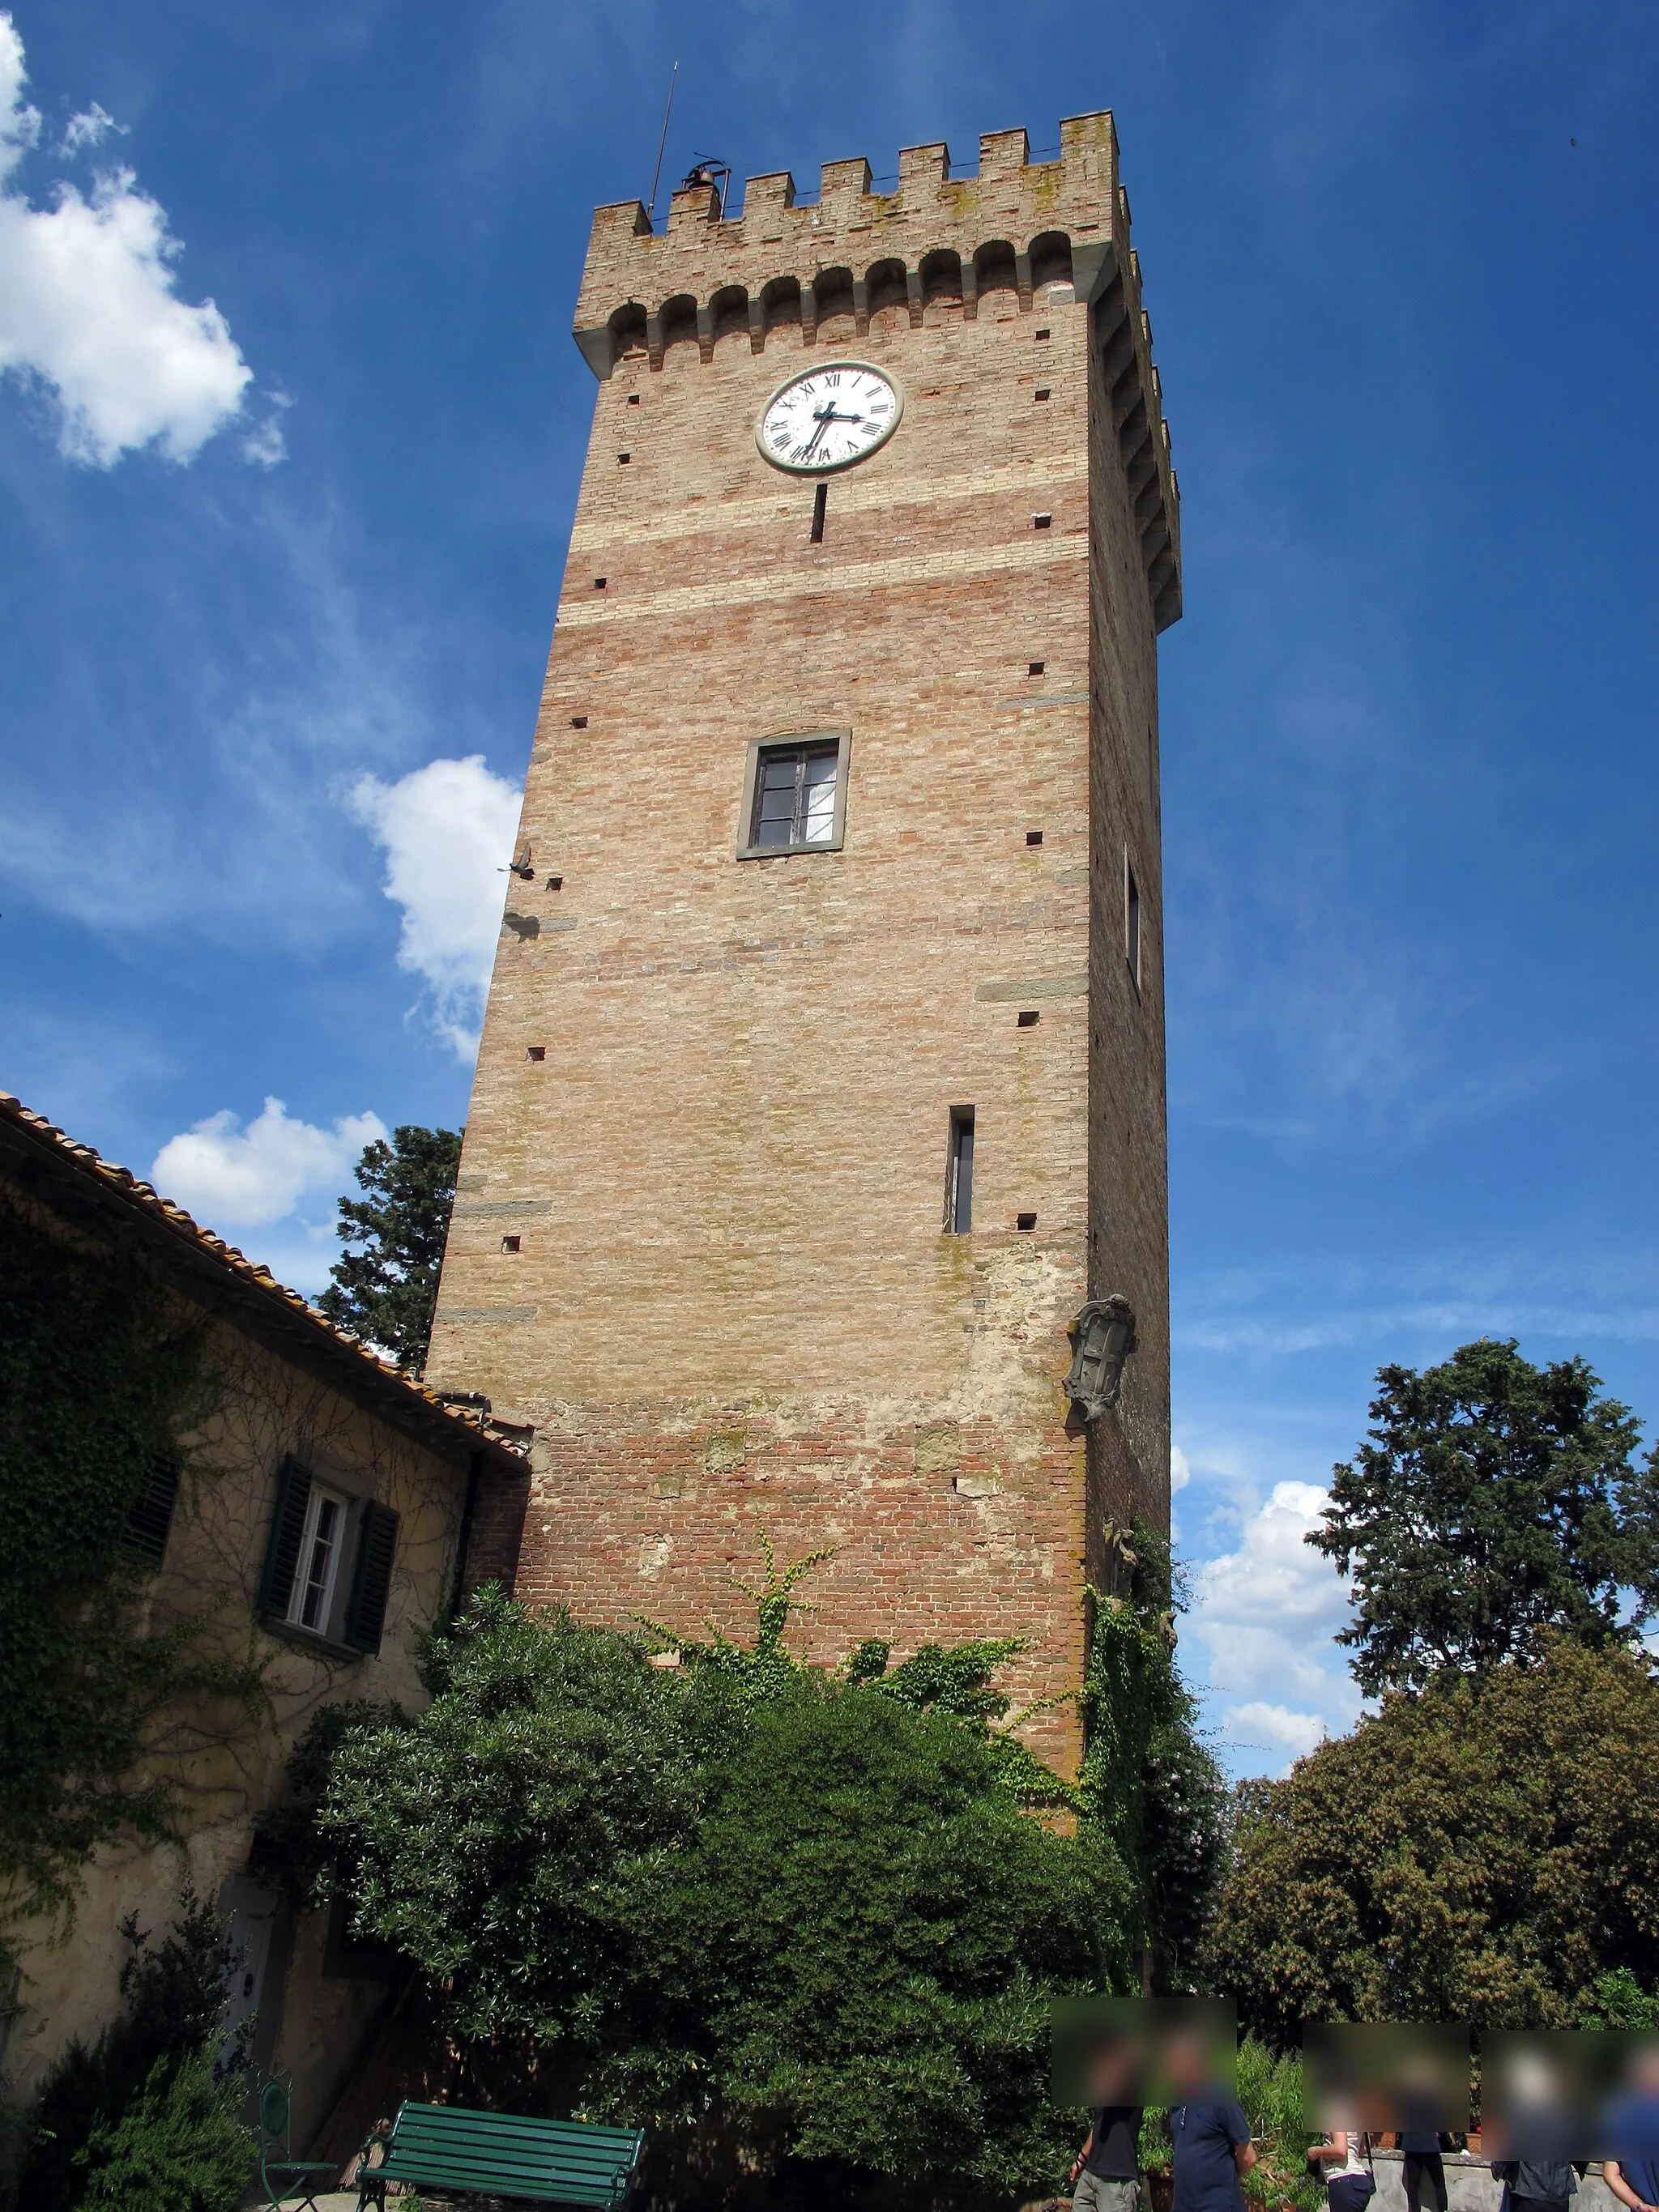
(502, 2154)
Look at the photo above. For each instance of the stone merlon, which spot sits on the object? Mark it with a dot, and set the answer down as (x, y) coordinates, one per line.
(1055, 232)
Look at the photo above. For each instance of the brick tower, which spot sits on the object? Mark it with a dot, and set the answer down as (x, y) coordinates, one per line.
(821, 1080)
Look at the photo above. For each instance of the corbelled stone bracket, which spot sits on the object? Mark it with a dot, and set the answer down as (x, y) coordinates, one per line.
(1102, 1337)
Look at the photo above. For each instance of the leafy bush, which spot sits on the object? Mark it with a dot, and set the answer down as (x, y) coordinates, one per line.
(176, 2147)
(807, 1908)
(1270, 2090)
(1619, 2000)
(175, 1997)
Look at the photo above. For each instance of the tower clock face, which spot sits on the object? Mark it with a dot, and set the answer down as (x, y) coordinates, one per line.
(829, 417)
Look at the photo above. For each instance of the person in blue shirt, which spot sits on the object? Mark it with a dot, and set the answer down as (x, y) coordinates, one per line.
(1211, 2138)
(1631, 2127)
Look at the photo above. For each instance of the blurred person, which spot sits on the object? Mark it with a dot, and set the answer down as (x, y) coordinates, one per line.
(1106, 2172)
(1211, 2136)
(1631, 2132)
(1422, 2146)
(1534, 2184)
(1344, 2158)
(1423, 2169)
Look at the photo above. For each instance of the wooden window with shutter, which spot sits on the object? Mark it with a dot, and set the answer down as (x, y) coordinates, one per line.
(149, 1523)
(371, 1580)
(315, 1531)
(287, 1528)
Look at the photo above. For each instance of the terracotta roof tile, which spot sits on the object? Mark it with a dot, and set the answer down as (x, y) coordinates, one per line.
(248, 1273)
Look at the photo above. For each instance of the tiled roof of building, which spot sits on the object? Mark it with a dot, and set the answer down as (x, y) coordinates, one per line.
(74, 1167)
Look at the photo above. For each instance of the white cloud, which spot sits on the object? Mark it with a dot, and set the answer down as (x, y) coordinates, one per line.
(1181, 1473)
(447, 830)
(20, 127)
(227, 1175)
(1259, 1727)
(264, 443)
(88, 128)
(87, 309)
(1266, 1612)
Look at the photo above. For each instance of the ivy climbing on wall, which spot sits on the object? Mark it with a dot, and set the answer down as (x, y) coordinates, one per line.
(1149, 1782)
(99, 1375)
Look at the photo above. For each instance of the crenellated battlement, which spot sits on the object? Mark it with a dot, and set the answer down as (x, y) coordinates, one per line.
(1055, 233)
(785, 264)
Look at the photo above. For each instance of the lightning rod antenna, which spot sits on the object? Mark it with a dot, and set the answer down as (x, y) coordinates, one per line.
(656, 173)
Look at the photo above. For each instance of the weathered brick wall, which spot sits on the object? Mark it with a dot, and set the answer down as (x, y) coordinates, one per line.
(732, 1308)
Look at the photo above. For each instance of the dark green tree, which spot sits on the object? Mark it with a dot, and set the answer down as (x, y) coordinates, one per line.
(1494, 1500)
(384, 1284)
(1485, 1850)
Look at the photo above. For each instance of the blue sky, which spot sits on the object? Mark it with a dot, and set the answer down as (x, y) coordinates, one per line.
(277, 578)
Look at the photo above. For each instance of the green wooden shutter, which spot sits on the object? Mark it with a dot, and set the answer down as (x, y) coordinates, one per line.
(288, 1526)
(150, 1520)
(371, 1581)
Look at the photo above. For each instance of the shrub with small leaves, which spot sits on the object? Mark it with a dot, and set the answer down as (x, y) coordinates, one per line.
(176, 2147)
(175, 1992)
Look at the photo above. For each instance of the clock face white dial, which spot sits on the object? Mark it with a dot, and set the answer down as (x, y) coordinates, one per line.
(829, 417)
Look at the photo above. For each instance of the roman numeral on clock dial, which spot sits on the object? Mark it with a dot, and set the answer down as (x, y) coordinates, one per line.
(829, 417)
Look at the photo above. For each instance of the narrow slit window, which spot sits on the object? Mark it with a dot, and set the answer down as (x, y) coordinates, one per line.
(512, 1243)
(795, 797)
(820, 502)
(536, 1052)
(1042, 522)
(959, 1178)
(1027, 1019)
(1132, 921)
(1034, 667)
(1034, 836)
(320, 1543)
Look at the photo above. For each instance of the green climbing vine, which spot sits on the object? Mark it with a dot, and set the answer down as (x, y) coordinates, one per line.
(952, 1680)
(100, 1373)
(1149, 1782)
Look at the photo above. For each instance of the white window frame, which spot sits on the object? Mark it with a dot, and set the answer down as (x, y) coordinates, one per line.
(321, 1494)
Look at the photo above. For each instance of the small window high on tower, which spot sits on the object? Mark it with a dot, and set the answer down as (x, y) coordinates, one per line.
(959, 1173)
(794, 796)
